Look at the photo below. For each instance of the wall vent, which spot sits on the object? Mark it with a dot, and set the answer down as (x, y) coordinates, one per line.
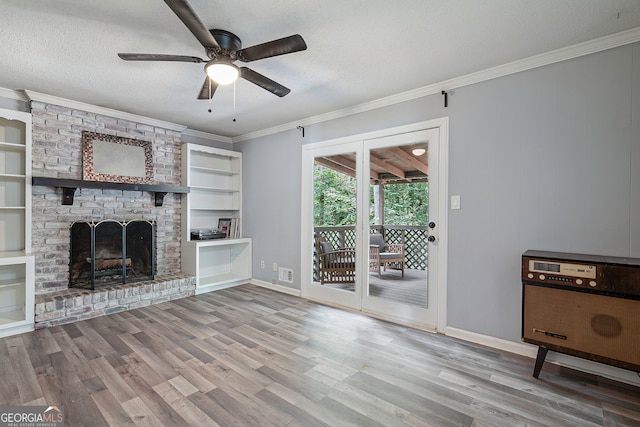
(285, 275)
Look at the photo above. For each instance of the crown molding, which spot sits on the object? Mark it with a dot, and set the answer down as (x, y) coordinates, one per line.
(76, 105)
(563, 54)
(208, 136)
(13, 94)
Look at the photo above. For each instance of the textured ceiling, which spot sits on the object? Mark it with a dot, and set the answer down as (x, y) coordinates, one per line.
(358, 50)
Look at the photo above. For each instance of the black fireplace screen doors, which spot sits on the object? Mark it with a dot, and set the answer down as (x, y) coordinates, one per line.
(110, 252)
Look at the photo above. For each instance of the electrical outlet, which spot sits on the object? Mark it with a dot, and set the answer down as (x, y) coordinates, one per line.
(262, 264)
(275, 267)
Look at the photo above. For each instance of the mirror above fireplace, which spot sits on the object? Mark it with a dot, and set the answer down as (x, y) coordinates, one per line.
(110, 158)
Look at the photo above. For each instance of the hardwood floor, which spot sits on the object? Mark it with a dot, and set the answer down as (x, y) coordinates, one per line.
(252, 356)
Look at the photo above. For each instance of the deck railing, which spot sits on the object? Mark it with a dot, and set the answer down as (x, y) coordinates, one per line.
(414, 238)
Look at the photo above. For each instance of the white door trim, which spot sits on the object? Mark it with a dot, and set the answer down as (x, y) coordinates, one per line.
(443, 203)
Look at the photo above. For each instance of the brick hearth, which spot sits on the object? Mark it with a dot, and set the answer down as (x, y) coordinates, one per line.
(73, 304)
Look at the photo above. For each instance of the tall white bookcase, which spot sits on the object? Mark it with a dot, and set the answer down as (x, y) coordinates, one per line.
(16, 263)
(214, 178)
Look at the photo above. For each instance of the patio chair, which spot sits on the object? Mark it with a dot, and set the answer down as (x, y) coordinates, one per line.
(381, 255)
(336, 265)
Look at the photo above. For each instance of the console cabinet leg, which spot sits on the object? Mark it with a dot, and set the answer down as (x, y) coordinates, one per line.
(542, 354)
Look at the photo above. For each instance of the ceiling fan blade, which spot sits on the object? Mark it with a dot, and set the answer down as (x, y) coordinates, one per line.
(158, 57)
(193, 23)
(263, 82)
(282, 46)
(208, 88)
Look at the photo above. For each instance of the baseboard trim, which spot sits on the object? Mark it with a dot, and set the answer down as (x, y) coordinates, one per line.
(529, 350)
(279, 288)
(15, 330)
(218, 287)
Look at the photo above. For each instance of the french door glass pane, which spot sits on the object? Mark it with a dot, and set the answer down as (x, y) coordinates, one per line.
(334, 221)
(398, 202)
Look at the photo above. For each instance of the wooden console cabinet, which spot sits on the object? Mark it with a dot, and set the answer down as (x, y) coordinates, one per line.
(582, 305)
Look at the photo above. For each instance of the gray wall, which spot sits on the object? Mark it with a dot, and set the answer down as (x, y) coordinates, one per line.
(271, 171)
(546, 159)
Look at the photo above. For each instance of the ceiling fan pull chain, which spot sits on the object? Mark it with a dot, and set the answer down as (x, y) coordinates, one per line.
(210, 96)
(234, 101)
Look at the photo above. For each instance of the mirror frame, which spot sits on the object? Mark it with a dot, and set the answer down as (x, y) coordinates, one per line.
(143, 174)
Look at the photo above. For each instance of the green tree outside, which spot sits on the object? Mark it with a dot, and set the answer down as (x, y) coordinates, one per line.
(334, 200)
(406, 204)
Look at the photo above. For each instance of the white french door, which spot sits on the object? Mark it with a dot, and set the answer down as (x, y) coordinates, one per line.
(345, 237)
(410, 294)
(370, 291)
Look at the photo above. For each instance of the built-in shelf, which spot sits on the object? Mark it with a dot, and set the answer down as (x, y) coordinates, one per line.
(218, 263)
(216, 171)
(12, 317)
(69, 187)
(10, 283)
(16, 293)
(12, 146)
(215, 179)
(16, 263)
(214, 189)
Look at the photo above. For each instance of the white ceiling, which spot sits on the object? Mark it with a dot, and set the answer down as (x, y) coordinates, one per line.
(358, 50)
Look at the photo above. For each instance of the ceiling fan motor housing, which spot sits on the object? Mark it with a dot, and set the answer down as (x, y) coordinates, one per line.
(228, 41)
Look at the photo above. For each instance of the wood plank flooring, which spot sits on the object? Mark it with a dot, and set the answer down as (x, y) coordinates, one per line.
(251, 356)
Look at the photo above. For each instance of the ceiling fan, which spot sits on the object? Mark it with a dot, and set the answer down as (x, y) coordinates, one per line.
(223, 48)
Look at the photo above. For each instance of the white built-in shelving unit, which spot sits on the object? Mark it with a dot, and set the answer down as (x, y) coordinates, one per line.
(16, 263)
(214, 177)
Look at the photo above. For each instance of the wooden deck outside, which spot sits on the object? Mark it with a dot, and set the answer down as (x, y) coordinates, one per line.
(412, 289)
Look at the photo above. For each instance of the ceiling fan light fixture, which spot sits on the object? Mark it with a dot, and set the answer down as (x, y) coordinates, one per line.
(418, 151)
(222, 73)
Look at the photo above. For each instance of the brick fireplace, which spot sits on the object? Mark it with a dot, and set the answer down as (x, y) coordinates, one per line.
(57, 153)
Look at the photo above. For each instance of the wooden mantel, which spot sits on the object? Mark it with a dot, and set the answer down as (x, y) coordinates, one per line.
(69, 187)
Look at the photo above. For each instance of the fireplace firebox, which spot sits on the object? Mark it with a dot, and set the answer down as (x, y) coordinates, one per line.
(110, 253)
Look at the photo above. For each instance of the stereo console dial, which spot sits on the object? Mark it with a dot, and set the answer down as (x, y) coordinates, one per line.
(579, 282)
